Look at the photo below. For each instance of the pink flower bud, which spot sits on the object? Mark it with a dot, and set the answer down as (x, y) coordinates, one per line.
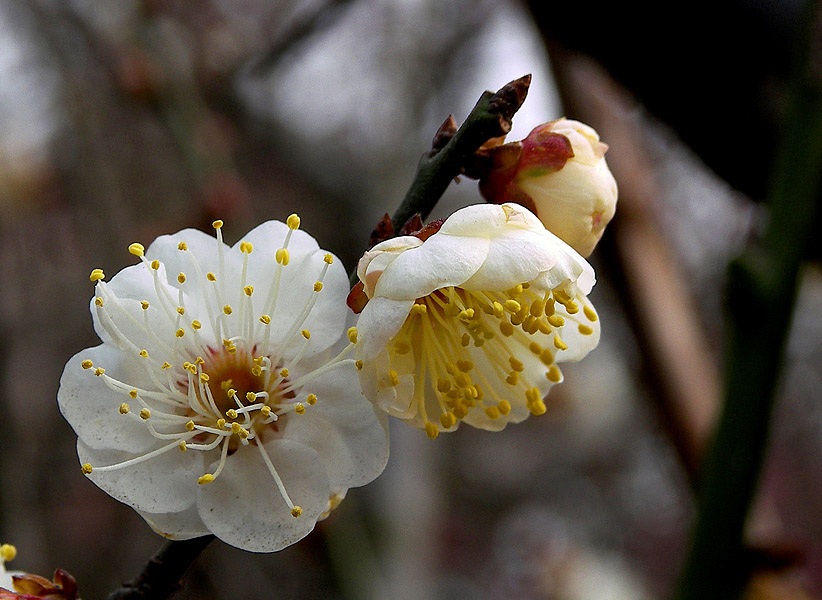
(559, 172)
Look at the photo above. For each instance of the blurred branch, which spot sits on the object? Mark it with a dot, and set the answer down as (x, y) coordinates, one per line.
(162, 574)
(762, 292)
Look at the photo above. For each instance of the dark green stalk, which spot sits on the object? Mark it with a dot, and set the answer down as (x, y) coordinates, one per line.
(761, 294)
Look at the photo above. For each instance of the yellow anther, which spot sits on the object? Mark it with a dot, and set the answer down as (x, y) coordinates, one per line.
(246, 247)
(165, 365)
(513, 378)
(465, 340)
(537, 408)
(512, 306)
(195, 325)
(86, 469)
(87, 364)
(250, 396)
(181, 277)
(448, 420)
(465, 365)
(145, 414)
(516, 364)
(451, 368)
(144, 304)
(231, 413)
(256, 370)
(124, 408)
(204, 479)
(504, 407)
(535, 348)
(235, 427)
(466, 314)
(443, 385)
(352, 335)
(299, 409)
(358, 364)
(393, 377)
(190, 426)
(265, 320)
(282, 257)
(293, 221)
(182, 246)
(419, 309)
(560, 345)
(550, 309)
(98, 301)
(328, 259)
(306, 334)
(585, 330)
(533, 394)
(265, 410)
(492, 412)
(155, 264)
(249, 289)
(230, 392)
(544, 327)
(96, 275)
(506, 328)
(180, 332)
(499, 310)
(284, 373)
(561, 296)
(516, 290)
(220, 423)
(460, 411)
(133, 394)
(181, 310)
(529, 325)
(572, 308)
(462, 380)
(182, 445)
(311, 399)
(318, 285)
(553, 374)
(431, 430)
(7, 552)
(556, 321)
(296, 511)
(589, 313)
(537, 308)
(547, 357)
(243, 433)
(227, 309)
(99, 371)
(137, 249)
(218, 224)
(210, 276)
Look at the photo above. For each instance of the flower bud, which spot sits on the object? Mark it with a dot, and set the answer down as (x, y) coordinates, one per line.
(559, 172)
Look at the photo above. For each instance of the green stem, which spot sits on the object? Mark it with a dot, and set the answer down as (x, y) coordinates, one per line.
(762, 287)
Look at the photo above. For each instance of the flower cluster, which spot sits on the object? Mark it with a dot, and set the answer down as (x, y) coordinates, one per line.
(220, 400)
(468, 325)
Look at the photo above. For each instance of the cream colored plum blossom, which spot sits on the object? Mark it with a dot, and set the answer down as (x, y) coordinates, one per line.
(221, 399)
(470, 323)
(559, 171)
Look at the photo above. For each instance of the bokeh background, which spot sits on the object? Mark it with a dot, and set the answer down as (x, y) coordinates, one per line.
(121, 121)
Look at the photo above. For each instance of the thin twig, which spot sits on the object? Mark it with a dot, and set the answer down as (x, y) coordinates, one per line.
(162, 574)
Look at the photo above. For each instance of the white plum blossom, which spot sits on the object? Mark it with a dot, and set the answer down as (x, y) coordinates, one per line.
(220, 400)
(470, 323)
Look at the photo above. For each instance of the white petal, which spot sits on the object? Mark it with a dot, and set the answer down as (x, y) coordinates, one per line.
(244, 508)
(182, 525)
(164, 483)
(92, 408)
(201, 246)
(442, 261)
(380, 321)
(343, 428)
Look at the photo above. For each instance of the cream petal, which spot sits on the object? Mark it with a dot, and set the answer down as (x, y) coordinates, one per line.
(202, 247)
(380, 321)
(163, 483)
(442, 261)
(344, 429)
(92, 408)
(244, 508)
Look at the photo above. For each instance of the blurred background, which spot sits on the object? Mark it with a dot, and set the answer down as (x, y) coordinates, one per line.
(121, 121)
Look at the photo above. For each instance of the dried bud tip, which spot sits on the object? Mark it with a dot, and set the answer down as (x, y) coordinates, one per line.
(444, 134)
(411, 225)
(383, 231)
(510, 97)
